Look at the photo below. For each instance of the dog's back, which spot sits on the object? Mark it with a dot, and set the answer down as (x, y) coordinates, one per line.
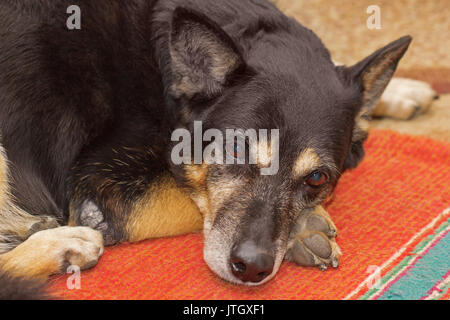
(53, 101)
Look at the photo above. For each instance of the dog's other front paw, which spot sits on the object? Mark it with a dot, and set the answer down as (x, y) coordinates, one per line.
(405, 98)
(91, 216)
(312, 240)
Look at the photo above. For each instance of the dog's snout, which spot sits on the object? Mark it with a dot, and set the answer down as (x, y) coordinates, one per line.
(251, 263)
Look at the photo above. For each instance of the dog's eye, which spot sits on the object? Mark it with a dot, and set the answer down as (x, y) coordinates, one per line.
(316, 179)
(235, 150)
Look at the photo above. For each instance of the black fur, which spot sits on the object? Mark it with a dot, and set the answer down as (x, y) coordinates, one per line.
(87, 114)
(21, 289)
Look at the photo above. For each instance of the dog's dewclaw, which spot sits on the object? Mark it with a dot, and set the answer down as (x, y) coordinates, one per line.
(312, 240)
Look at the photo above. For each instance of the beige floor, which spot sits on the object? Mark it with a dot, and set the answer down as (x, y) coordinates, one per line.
(341, 24)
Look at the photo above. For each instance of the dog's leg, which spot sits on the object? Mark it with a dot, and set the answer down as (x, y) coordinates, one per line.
(313, 240)
(164, 210)
(52, 251)
(405, 98)
(16, 225)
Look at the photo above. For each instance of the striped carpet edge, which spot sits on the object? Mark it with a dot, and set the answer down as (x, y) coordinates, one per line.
(422, 274)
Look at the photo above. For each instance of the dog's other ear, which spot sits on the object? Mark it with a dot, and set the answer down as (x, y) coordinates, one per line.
(375, 71)
(203, 56)
(373, 74)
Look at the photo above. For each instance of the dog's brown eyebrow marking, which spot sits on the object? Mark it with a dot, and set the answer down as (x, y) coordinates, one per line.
(264, 155)
(306, 162)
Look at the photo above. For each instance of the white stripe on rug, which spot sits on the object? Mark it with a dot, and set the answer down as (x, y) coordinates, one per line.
(418, 256)
(437, 291)
(399, 252)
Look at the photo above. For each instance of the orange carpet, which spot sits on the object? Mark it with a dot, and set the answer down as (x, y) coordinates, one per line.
(383, 209)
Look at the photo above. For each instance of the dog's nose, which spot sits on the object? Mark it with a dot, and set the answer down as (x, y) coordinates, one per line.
(251, 263)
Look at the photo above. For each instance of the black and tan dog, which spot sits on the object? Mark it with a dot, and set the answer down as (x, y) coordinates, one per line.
(86, 118)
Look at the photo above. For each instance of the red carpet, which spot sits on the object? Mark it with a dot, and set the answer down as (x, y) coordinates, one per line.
(382, 209)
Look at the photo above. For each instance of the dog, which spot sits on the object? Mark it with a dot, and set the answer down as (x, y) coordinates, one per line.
(87, 117)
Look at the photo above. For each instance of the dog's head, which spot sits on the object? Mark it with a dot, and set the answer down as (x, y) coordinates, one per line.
(275, 77)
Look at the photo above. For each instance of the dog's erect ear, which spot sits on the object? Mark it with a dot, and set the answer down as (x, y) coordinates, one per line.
(203, 56)
(375, 71)
(374, 74)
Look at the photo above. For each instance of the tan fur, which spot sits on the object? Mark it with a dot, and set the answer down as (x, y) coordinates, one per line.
(362, 126)
(221, 191)
(47, 252)
(209, 197)
(264, 154)
(196, 176)
(166, 210)
(306, 162)
(44, 252)
(4, 187)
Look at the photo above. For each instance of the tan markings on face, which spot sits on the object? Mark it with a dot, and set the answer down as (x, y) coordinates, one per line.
(220, 192)
(264, 153)
(202, 202)
(4, 185)
(72, 222)
(165, 210)
(306, 162)
(196, 175)
(362, 127)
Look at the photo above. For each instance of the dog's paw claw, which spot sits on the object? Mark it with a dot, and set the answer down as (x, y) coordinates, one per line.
(323, 267)
(312, 241)
(335, 262)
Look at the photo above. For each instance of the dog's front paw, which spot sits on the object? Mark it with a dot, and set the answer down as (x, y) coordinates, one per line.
(51, 251)
(405, 98)
(312, 240)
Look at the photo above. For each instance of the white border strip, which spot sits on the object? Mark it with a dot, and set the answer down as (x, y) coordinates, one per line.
(435, 294)
(399, 252)
(418, 255)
